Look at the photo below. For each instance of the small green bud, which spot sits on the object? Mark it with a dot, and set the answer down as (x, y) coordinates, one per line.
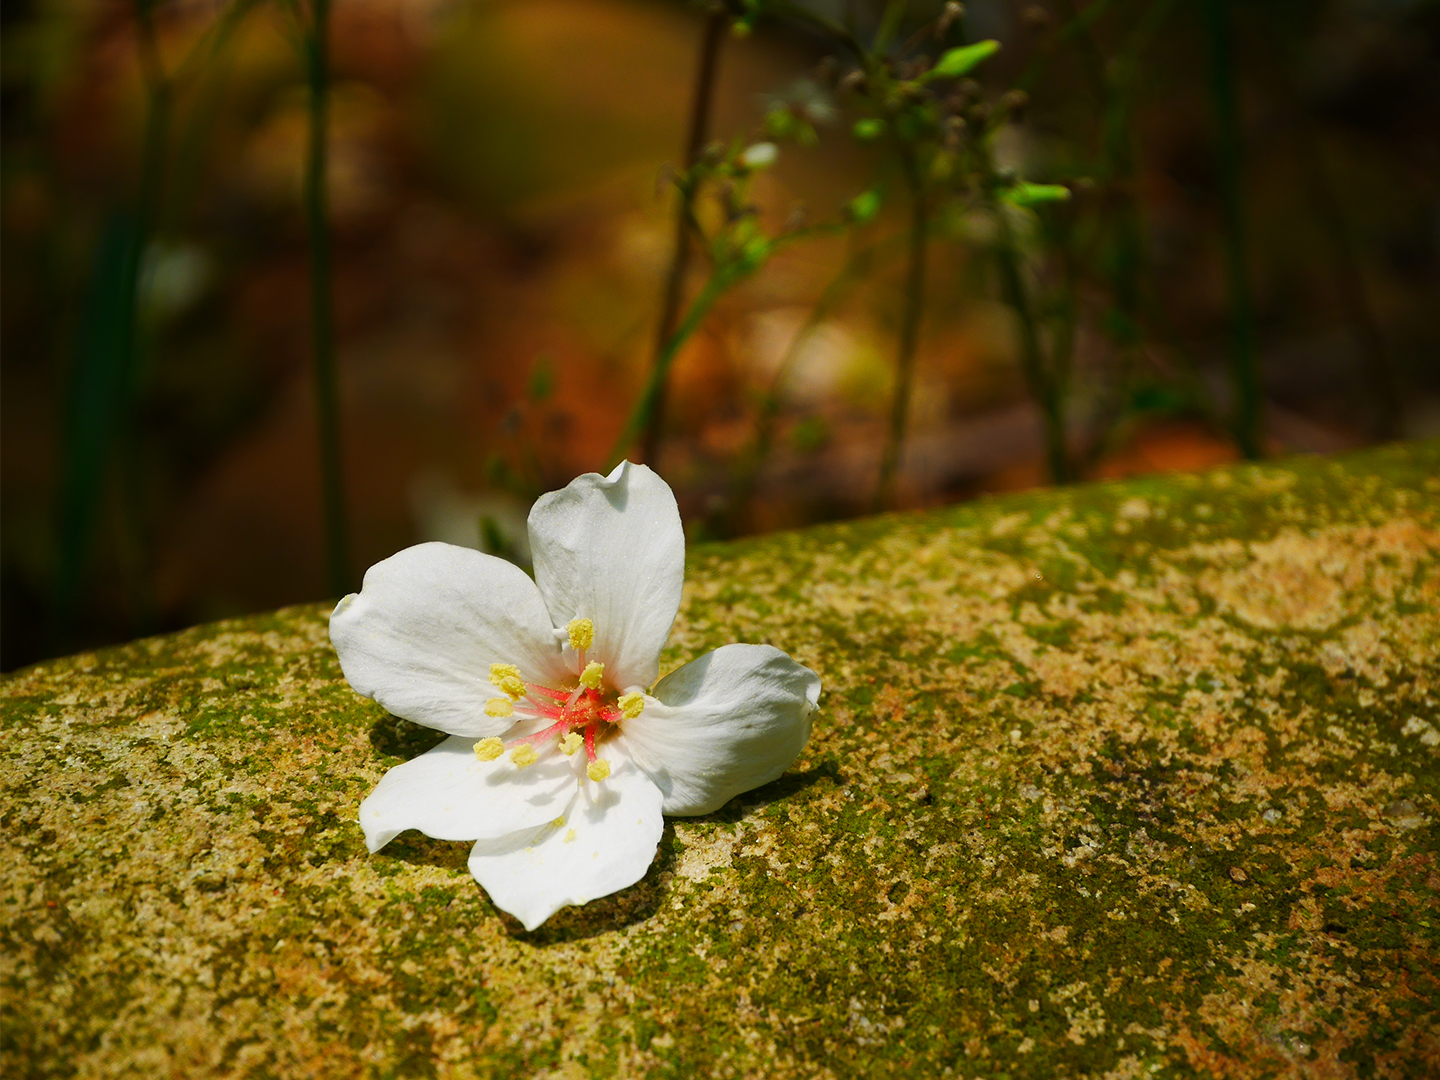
(1033, 194)
(864, 207)
(957, 63)
(868, 130)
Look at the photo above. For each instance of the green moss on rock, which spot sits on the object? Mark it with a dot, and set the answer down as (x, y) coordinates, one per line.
(1112, 781)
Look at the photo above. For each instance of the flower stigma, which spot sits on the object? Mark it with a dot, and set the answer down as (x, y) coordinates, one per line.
(578, 715)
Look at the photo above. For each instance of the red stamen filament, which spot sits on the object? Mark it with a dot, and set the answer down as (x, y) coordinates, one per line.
(581, 709)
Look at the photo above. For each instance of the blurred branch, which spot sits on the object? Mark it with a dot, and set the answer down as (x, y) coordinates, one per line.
(1244, 368)
(642, 415)
(322, 312)
(100, 420)
(914, 306)
(700, 108)
(1043, 381)
(1382, 386)
(748, 468)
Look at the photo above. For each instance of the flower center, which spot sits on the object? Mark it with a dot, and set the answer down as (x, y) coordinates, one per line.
(579, 715)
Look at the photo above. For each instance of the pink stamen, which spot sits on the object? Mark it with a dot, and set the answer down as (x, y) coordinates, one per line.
(550, 712)
(553, 695)
(589, 741)
(541, 736)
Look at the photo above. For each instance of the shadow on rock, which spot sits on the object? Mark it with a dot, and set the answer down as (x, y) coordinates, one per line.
(394, 737)
(613, 912)
(421, 850)
(783, 788)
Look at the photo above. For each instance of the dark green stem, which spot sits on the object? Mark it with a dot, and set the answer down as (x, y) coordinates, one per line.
(1044, 388)
(905, 353)
(700, 109)
(748, 468)
(645, 406)
(1244, 368)
(1382, 386)
(322, 314)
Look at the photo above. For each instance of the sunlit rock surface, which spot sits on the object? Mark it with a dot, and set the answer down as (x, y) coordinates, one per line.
(1118, 781)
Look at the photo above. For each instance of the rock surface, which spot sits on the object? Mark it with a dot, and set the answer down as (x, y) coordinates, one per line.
(1111, 781)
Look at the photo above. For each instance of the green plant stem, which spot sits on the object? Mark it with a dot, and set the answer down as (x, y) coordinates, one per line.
(101, 427)
(1075, 23)
(322, 315)
(911, 315)
(747, 469)
(644, 408)
(1382, 386)
(700, 109)
(1244, 368)
(890, 22)
(1044, 388)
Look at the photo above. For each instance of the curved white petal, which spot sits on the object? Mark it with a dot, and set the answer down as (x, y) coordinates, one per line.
(728, 722)
(421, 634)
(449, 794)
(606, 842)
(610, 549)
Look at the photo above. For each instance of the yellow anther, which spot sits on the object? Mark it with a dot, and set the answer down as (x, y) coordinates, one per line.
(507, 678)
(572, 742)
(569, 836)
(582, 633)
(499, 706)
(598, 769)
(558, 823)
(523, 755)
(631, 704)
(489, 749)
(591, 676)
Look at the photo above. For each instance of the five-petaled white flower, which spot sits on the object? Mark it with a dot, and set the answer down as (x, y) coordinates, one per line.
(560, 761)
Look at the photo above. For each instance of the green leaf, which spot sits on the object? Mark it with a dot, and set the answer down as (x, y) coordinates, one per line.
(956, 63)
(1034, 194)
(864, 207)
(868, 130)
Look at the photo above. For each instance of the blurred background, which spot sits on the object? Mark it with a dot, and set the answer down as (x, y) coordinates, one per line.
(1184, 232)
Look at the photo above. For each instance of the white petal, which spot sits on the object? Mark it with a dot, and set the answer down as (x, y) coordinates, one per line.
(422, 633)
(607, 841)
(725, 723)
(610, 549)
(449, 794)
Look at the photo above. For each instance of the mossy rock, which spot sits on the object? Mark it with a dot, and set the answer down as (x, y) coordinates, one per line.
(1116, 781)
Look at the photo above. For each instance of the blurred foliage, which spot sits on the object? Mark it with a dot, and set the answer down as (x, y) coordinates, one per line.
(924, 248)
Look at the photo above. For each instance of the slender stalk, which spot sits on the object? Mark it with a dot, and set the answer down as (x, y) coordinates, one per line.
(747, 469)
(909, 339)
(136, 541)
(101, 427)
(700, 108)
(1044, 387)
(645, 407)
(322, 315)
(1382, 386)
(1244, 369)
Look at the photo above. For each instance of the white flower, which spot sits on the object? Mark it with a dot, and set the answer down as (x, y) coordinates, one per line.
(560, 761)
